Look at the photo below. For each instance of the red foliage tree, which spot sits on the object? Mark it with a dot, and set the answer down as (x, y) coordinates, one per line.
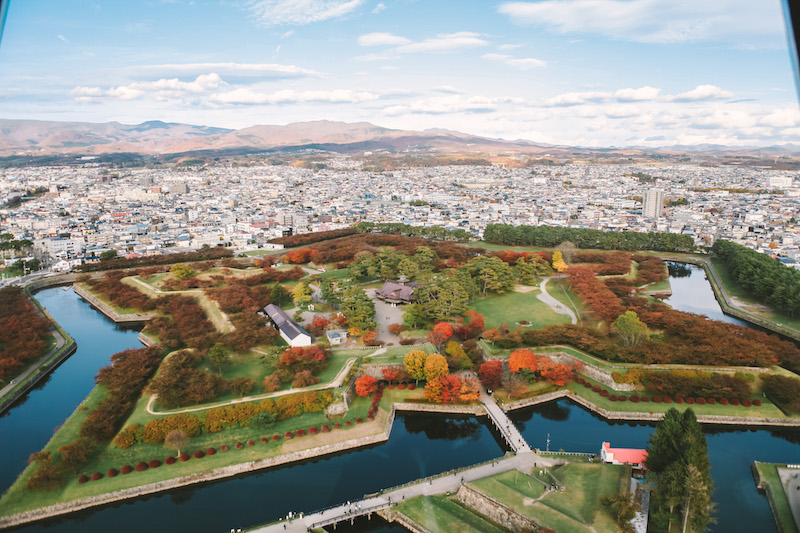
(366, 385)
(390, 374)
(491, 372)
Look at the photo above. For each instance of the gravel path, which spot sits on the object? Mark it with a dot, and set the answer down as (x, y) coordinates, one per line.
(554, 304)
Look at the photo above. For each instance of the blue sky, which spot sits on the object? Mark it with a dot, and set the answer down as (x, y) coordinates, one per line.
(575, 72)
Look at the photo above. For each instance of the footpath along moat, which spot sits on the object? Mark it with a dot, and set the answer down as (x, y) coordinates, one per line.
(420, 445)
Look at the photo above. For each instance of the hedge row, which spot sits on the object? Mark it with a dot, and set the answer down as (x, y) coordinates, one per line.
(635, 398)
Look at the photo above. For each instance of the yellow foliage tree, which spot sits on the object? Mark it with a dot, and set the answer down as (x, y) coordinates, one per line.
(435, 366)
(558, 262)
(414, 362)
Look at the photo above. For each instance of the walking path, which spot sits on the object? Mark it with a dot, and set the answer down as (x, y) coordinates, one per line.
(201, 295)
(36, 366)
(426, 487)
(504, 424)
(554, 304)
(337, 382)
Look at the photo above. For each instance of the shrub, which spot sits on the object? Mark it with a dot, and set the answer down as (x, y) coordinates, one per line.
(199, 454)
(288, 435)
(757, 402)
(711, 401)
(690, 400)
(276, 437)
(264, 440)
(313, 430)
(634, 398)
(224, 448)
(169, 460)
(326, 428)
(211, 451)
(97, 476)
(612, 397)
(700, 401)
(657, 399)
(349, 423)
(579, 381)
(337, 425)
(402, 386)
(596, 388)
(587, 385)
(667, 399)
(184, 457)
(251, 443)
(645, 398)
(112, 472)
(604, 393)
(154, 463)
(723, 401)
(359, 420)
(411, 386)
(678, 400)
(747, 403)
(391, 387)
(141, 466)
(127, 469)
(734, 401)
(83, 479)
(239, 445)
(300, 432)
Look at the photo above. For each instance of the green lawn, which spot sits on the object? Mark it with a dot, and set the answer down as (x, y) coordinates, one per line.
(769, 473)
(512, 307)
(394, 354)
(559, 289)
(440, 514)
(578, 508)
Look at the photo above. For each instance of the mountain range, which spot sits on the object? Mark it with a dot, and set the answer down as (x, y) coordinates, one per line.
(43, 138)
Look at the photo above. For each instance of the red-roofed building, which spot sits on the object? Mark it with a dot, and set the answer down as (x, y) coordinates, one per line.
(623, 456)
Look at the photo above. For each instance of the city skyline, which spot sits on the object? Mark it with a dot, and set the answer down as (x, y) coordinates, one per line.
(600, 73)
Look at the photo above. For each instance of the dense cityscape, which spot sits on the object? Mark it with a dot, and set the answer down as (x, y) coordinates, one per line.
(82, 212)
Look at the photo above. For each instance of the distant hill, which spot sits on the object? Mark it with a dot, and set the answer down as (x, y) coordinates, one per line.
(36, 139)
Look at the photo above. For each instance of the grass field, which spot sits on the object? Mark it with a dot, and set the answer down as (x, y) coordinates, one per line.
(769, 473)
(578, 508)
(512, 307)
(441, 514)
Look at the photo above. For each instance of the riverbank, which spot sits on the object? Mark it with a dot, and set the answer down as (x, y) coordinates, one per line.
(768, 479)
(108, 311)
(64, 347)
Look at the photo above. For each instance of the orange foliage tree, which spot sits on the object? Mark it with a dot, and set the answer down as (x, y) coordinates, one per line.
(491, 372)
(470, 390)
(520, 360)
(441, 332)
(558, 374)
(366, 385)
(435, 366)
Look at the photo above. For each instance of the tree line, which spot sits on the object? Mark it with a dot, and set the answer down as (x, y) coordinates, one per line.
(551, 236)
(23, 331)
(768, 280)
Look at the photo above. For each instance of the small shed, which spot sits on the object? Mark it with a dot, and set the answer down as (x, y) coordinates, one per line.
(623, 456)
(336, 336)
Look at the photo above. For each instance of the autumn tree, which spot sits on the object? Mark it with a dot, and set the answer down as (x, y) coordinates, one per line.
(182, 271)
(558, 262)
(272, 383)
(390, 374)
(414, 363)
(631, 330)
(175, 440)
(435, 366)
(304, 378)
(470, 390)
(395, 329)
(441, 332)
(458, 357)
(366, 385)
(558, 374)
(301, 294)
(491, 372)
(522, 360)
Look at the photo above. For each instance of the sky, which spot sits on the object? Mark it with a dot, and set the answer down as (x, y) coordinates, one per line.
(593, 73)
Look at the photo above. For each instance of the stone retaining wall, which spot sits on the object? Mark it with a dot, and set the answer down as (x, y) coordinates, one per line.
(497, 512)
(376, 369)
(476, 410)
(108, 311)
(763, 484)
(395, 516)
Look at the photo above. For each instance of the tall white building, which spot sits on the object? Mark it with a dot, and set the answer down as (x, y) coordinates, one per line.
(653, 203)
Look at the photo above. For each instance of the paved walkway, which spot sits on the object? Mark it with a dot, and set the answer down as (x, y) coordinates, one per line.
(554, 304)
(34, 368)
(504, 424)
(426, 487)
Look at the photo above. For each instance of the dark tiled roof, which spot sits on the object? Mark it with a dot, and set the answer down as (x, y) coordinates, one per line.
(286, 325)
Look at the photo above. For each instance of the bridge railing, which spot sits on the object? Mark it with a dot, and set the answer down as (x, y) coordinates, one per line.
(360, 512)
(436, 476)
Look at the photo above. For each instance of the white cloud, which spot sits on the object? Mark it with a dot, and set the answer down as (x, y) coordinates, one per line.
(782, 118)
(299, 12)
(657, 21)
(161, 89)
(523, 63)
(508, 46)
(441, 105)
(637, 95)
(61, 37)
(382, 39)
(445, 42)
(249, 70)
(380, 7)
(448, 89)
(702, 92)
(249, 96)
(577, 98)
